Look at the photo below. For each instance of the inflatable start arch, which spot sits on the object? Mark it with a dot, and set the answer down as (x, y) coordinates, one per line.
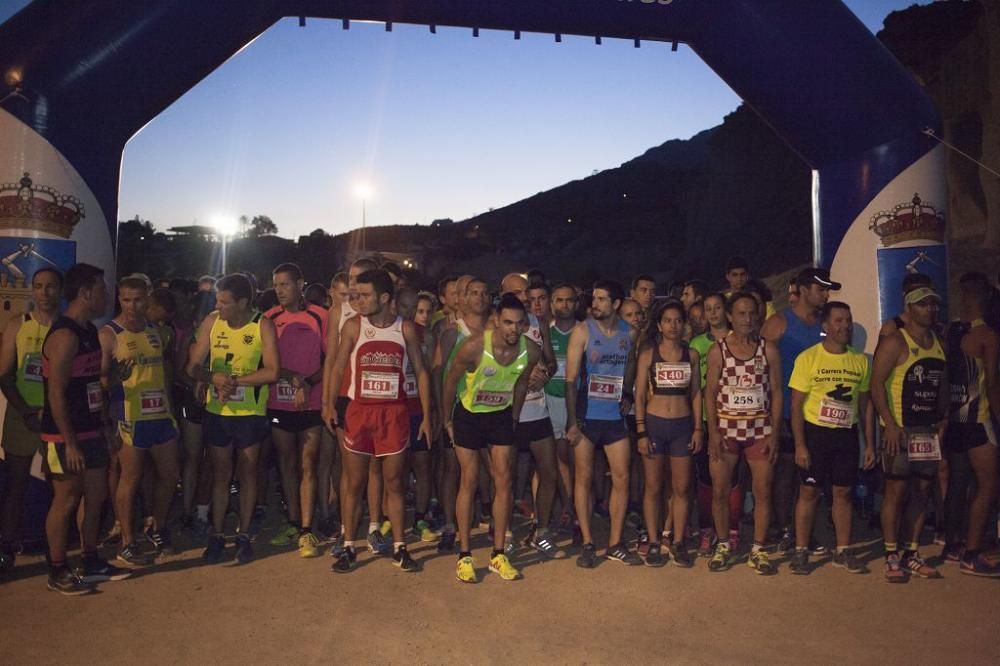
(80, 79)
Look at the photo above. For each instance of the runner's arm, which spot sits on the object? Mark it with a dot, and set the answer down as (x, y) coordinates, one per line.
(330, 349)
(774, 327)
(886, 358)
(712, 376)
(799, 428)
(8, 368)
(521, 386)
(270, 360)
(466, 360)
(574, 357)
(60, 350)
(868, 430)
(697, 402)
(442, 350)
(416, 356)
(775, 379)
(346, 341)
(548, 359)
(628, 381)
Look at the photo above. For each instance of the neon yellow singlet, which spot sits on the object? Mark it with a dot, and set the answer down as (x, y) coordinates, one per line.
(28, 346)
(143, 394)
(490, 387)
(237, 352)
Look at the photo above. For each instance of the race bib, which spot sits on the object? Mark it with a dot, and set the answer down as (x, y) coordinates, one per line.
(152, 402)
(95, 396)
(285, 391)
(605, 387)
(836, 413)
(744, 398)
(672, 375)
(923, 446)
(33, 367)
(491, 398)
(239, 395)
(560, 368)
(379, 385)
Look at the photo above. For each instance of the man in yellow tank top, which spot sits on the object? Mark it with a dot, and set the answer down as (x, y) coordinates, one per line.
(241, 346)
(134, 374)
(22, 385)
(909, 392)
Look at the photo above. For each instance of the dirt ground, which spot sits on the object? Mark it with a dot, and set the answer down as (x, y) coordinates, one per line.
(282, 608)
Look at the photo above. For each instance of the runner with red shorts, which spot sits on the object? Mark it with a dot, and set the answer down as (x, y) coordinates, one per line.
(377, 345)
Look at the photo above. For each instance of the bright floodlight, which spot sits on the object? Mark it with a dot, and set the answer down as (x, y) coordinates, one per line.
(364, 190)
(226, 225)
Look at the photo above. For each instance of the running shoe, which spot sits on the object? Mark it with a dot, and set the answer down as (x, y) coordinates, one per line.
(344, 563)
(244, 549)
(338, 545)
(706, 542)
(308, 545)
(721, 558)
(447, 542)
(403, 560)
(328, 528)
(816, 548)
(619, 553)
(799, 564)
(653, 557)
(66, 582)
(532, 528)
(214, 549)
(286, 536)
(915, 564)
(132, 555)
(980, 565)
(93, 569)
(377, 544)
(588, 557)
(894, 573)
(642, 543)
(787, 541)
(761, 563)
(546, 545)
(161, 540)
(428, 535)
(466, 570)
(845, 560)
(500, 565)
(680, 556)
(939, 538)
(952, 553)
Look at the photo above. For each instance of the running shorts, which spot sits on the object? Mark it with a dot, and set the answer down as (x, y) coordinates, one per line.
(377, 430)
(833, 456)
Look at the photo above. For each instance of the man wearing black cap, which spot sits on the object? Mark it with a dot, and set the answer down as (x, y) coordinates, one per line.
(794, 330)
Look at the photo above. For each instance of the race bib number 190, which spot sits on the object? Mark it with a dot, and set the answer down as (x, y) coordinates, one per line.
(835, 413)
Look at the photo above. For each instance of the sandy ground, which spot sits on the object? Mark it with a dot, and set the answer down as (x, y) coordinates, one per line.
(283, 608)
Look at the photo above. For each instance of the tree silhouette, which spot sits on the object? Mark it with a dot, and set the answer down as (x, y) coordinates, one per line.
(262, 225)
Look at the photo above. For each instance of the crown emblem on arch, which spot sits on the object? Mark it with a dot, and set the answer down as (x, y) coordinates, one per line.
(913, 220)
(24, 205)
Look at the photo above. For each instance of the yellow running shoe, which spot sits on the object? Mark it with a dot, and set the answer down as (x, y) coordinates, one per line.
(501, 566)
(466, 570)
(286, 536)
(761, 563)
(308, 545)
(427, 534)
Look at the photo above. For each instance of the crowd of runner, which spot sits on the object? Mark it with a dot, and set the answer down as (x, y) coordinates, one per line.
(524, 404)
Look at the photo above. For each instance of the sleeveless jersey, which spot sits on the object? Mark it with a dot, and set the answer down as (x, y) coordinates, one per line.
(912, 388)
(28, 347)
(744, 399)
(535, 408)
(143, 394)
(410, 384)
(237, 352)
(832, 384)
(966, 378)
(84, 395)
(604, 361)
(490, 387)
(463, 333)
(701, 344)
(670, 377)
(301, 340)
(556, 386)
(377, 363)
(798, 337)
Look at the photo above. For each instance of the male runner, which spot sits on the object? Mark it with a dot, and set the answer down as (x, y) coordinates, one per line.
(913, 407)
(563, 320)
(694, 291)
(794, 330)
(22, 384)
(830, 390)
(496, 365)
(643, 291)
(241, 347)
(971, 441)
(743, 401)
(293, 404)
(600, 355)
(339, 289)
(138, 379)
(738, 278)
(74, 449)
(377, 345)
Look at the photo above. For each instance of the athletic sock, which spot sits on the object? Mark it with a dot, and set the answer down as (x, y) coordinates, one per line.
(464, 553)
(201, 512)
(841, 549)
(306, 530)
(757, 547)
(800, 549)
(891, 549)
(725, 542)
(397, 545)
(912, 546)
(496, 552)
(373, 527)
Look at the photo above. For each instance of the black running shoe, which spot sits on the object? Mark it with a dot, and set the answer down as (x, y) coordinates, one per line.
(93, 569)
(161, 540)
(654, 556)
(244, 549)
(344, 563)
(799, 564)
(214, 549)
(588, 557)
(403, 560)
(680, 556)
(132, 555)
(66, 582)
(620, 553)
(447, 542)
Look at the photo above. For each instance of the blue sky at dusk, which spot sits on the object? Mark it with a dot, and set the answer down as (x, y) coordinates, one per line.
(442, 125)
